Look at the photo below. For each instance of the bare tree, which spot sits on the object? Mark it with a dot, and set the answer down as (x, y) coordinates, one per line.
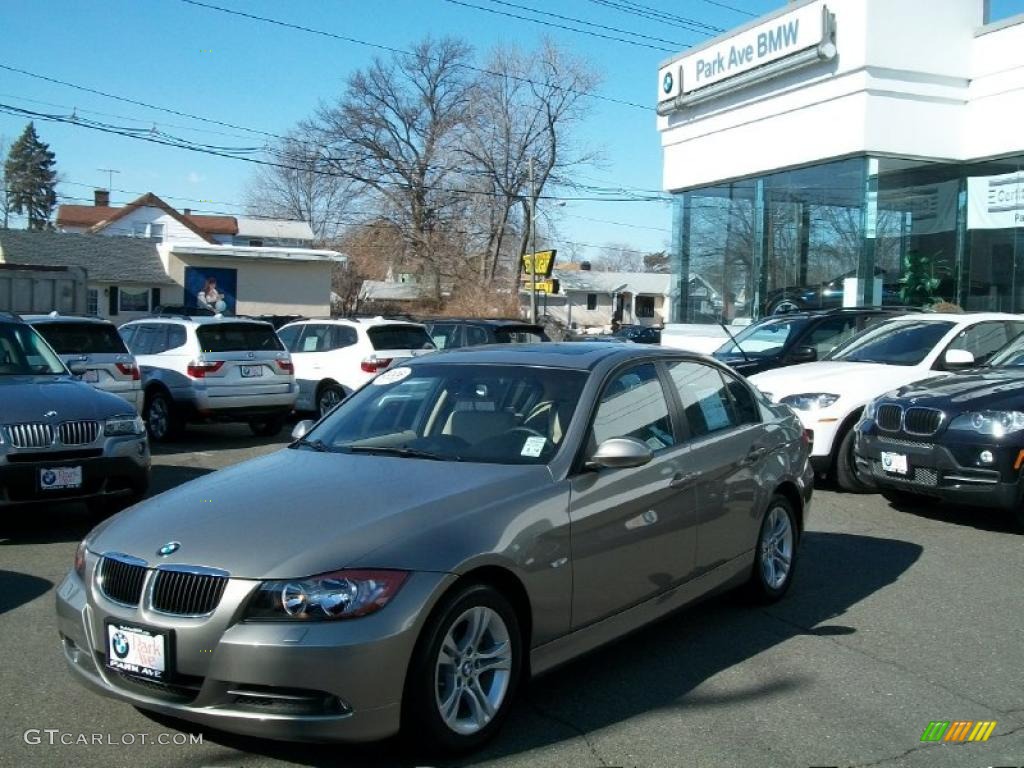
(619, 257)
(394, 132)
(526, 111)
(300, 185)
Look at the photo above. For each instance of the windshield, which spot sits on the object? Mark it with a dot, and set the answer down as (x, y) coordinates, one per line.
(238, 337)
(499, 414)
(1011, 357)
(82, 338)
(899, 342)
(518, 335)
(394, 336)
(761, 340)
(24, 353)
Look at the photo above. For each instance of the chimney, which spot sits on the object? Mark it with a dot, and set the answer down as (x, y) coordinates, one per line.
(101, 198)
(585, 266)
(188, 211)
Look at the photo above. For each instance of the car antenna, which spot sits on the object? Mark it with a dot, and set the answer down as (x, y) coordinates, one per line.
(733, 338)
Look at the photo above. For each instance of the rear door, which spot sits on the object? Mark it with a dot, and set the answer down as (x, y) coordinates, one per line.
(399, 341)
(100, 349)
(241, 358)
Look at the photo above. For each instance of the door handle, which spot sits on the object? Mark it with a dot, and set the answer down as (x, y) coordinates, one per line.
(683, 479)
(754, 455)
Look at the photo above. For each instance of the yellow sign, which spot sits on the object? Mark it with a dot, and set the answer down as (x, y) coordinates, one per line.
(545, 262)
(542, 286)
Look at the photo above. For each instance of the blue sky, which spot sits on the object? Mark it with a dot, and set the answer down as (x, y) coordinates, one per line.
(195, 60)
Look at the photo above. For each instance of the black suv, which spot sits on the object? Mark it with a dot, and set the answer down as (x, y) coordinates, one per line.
(449, 333)
(797, 337)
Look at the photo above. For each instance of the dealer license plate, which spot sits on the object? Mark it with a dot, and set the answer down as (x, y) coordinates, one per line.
(137, 650)
(895, 463)
(57, 478)
(251, 371)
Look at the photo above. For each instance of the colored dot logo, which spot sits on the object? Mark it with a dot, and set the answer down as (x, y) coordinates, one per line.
(667, 83)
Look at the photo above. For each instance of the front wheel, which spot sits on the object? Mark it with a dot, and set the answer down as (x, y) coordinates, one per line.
(846, 466)
(464, 671)
(328, 397)
(775, 556)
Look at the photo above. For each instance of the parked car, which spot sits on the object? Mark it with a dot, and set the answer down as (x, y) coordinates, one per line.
(639, 334)
(451, 333)
(94, 351)
(211, 369)
(335, 357)
(830, 395)
(797, 337)
(61, 439)
(958, 438)
(463, 520)
(825, 295)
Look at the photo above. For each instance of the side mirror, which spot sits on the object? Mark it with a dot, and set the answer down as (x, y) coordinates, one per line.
(301, 429)
(620, 453)
(77, 369)
(958, 358)
(804, 354)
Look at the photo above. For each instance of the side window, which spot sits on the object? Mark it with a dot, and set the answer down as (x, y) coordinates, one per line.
(633, 405)
(145, 340)
(175, 336)
(289, 336)
(744, 404)
(704, 396)
(445, 335)
(343, 336)
(127, 332)
(160, 343)
(475, 335)
(829, 334)
(315, 338)
(984, 339)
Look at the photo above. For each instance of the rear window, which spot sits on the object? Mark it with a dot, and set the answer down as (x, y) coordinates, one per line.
(399, 337)
(518, 335)
(238, 337)
(82, 338)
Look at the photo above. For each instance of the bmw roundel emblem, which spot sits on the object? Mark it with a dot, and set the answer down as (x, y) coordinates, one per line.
(49, 477)
(169, 548)
(667, 83)
(120, 645)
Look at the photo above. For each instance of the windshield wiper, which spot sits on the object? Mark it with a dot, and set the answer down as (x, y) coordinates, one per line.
(317, 445)
(404, 452)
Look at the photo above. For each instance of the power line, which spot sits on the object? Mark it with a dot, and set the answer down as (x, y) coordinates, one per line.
(555, 25)
(399, 51)
(662, 17)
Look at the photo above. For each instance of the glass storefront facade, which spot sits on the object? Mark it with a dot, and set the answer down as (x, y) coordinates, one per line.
(856, 232)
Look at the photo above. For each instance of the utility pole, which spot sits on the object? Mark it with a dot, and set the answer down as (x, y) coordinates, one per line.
(110, 176)
(533, 246)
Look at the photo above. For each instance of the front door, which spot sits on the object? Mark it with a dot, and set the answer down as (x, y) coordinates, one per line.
(633, 531)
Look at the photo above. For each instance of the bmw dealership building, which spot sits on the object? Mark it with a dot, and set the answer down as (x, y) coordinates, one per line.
(848, 153)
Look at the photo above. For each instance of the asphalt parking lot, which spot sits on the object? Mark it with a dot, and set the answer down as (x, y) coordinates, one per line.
(896, 618)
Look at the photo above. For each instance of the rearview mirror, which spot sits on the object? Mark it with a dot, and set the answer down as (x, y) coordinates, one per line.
(77, 369)
(803, 354)
(620, 453)
(958, 358)
(301, 429)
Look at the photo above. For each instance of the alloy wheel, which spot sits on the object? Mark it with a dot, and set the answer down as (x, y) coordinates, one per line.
(329, 398)
(776, 548)
(158, 418)
(473, 670)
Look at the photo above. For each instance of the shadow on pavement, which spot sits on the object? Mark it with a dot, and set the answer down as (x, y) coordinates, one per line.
(219, 437)
(656, 668)
(20, 588)
(980, 518)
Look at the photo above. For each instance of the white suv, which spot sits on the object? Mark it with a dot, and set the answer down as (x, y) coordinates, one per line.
(335, 357)
(211, 369)
(830, 395)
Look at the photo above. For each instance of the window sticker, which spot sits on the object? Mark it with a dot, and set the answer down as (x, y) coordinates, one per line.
(533, 446)
(392, 376)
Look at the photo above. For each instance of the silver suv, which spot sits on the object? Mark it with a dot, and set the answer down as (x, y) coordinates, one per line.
(61, 439)
(211, 369)
(94, 352)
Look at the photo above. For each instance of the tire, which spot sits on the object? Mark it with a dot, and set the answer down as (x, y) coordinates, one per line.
(163, 421)
(775, 555)
(267, 427)
(431, 683)
(900, 498)
(327, 397)
(846, 468)
(783, 306)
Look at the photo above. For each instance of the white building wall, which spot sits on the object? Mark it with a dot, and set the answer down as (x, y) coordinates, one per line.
(174, 230)
(993, 124)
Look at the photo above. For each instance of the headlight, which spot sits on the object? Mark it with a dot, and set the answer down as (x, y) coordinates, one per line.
(124, 425)
(810, 402)
(80, 560)
(994, 423)
(337, 595)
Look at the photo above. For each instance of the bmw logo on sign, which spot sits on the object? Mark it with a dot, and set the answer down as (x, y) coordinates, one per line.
(169, 548)
(667, 83)
(120, 645)
(49, 477)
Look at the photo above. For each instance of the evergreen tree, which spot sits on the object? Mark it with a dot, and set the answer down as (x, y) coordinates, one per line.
(31, 179)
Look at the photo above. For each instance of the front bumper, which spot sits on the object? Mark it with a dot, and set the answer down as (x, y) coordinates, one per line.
(292, 681)
(824, 427)
(941, 470)
(118, 467)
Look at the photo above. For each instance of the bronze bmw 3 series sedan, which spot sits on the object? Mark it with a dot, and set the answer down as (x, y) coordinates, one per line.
(463, 520)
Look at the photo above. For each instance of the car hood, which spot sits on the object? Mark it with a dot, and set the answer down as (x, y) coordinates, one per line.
(862, 380)
(297, 513)
(980, 389)
(29, 398)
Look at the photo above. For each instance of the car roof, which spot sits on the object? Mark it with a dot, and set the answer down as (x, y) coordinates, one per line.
(352, 321)
(580, 355)
(41, 319)
(197, 320)
(498, 322)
